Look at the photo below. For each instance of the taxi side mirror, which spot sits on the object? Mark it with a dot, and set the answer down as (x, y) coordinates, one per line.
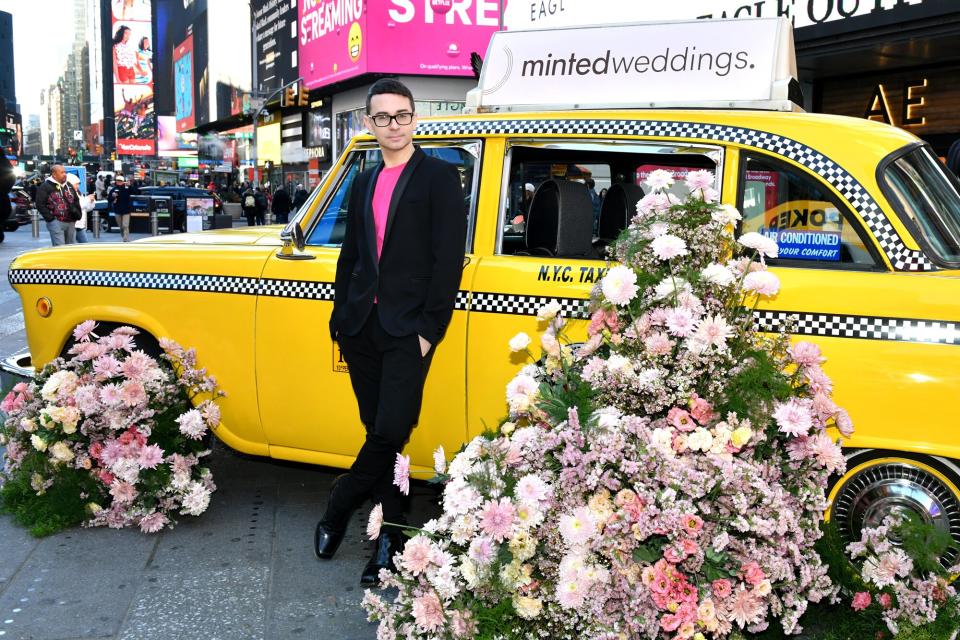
(294, 243)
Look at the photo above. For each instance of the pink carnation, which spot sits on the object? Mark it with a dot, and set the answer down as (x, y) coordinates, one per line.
(753, 574)
(861, 601)
(496, 519)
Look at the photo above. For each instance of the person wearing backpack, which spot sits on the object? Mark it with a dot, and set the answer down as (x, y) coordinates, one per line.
(250, 204)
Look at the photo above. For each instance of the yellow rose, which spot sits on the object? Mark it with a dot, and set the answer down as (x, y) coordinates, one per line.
(527, 608)
(507, 428)
(741, 436)
(94, 508)
(38, 443)
(61, 452)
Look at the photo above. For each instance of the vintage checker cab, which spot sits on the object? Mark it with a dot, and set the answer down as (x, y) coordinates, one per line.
(867, 218)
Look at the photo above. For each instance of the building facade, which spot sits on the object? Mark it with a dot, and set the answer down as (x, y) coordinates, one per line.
(7, 77)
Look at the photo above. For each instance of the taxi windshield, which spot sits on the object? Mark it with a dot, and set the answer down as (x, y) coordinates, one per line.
(924, 192)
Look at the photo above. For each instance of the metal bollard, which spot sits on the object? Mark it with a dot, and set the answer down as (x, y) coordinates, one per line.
(268, 218)
(95, 218)
(154, 224)
(35, 222)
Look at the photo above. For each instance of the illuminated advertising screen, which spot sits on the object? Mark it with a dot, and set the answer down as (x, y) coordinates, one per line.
(133, 100)
(183, 85)
(341, 39)
(173, 143)
(274, 28)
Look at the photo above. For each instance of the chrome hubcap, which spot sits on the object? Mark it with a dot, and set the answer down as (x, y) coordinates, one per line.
(896, 488)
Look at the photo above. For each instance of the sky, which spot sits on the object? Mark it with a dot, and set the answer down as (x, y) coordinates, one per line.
(42, 39)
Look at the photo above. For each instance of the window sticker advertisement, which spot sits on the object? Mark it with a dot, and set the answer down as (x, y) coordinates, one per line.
(134, 109)
(805, 230)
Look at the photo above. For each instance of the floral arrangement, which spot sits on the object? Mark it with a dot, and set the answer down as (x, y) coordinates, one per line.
(109, 436)
(665, 479)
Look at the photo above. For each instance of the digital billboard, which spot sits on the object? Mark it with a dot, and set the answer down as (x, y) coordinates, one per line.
(275, 32)
(341, 39)
(133, 99)
(183, 85)
(173, 143)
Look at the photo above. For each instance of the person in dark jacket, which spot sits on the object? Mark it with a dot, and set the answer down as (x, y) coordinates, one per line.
(254, 206)
(59, 205)
(7, 180)
(121, 206)
(300, 197)
(281, 205)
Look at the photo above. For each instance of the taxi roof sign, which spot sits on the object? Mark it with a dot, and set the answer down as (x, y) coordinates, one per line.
(720, 64)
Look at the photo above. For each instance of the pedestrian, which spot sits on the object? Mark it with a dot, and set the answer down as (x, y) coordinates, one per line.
(405, 221)
(299, 197)
(121, 205)
(280, 206)
(250, 203)
(99, 187)
(7, 179)
(595, 200)
(87, 203)
(262, 205)
(59, 204)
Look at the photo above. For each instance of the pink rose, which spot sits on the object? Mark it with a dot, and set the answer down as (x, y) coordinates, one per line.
(701, 410)
(753, 574)
(680, 419)
(861, 601)
(885, 600)
(721, 588)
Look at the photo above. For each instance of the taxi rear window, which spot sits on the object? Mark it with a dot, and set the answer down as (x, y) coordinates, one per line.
(928, 196)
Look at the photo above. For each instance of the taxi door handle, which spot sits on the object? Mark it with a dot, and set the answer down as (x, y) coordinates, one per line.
(466, 261)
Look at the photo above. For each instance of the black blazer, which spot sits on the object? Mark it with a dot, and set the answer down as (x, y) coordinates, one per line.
(418, 274)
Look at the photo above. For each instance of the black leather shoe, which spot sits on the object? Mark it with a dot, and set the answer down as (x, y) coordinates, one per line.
(388, 544)
(326, 540)
(330, 530)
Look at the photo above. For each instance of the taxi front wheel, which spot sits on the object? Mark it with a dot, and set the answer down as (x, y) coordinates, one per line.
(880, 483)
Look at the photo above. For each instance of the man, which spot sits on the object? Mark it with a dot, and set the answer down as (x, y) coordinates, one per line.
(300, 196)
(396, 283)
(251, 202)
(121, 205)
(59, 205)
(280, 205)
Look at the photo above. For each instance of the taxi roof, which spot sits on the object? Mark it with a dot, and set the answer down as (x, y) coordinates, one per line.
(841, 138)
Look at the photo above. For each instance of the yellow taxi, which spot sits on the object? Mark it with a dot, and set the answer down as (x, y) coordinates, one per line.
(867, 218)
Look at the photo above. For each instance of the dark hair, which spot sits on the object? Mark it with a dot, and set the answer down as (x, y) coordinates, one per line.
(142, 40)
(389, 85)
(118, 36)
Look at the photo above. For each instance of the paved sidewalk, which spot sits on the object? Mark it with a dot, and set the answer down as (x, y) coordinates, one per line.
(245, 570)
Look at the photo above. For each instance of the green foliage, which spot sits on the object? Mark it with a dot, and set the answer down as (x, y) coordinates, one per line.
(556, 400)
(61, 506)
(755, 386)
(925, 544)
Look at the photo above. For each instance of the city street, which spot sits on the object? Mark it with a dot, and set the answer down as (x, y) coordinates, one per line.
(243, 570)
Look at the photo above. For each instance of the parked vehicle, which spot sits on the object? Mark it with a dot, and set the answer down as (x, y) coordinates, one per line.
(867, 218)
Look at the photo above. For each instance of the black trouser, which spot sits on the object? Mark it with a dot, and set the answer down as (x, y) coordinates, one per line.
(387, 374)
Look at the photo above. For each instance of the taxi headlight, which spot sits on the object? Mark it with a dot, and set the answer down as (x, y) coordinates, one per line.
(44, 307)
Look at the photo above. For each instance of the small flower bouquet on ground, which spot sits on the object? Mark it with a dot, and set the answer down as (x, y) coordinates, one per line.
(109, 436)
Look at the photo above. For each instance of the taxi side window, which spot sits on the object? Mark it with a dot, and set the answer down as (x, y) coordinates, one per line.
(812, 226)
(330, 229)
(572, 200)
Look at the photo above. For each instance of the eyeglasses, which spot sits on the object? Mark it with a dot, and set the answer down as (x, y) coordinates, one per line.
(383, 120)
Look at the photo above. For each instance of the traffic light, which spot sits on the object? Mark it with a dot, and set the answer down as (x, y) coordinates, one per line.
(303, 97)
(290, 96)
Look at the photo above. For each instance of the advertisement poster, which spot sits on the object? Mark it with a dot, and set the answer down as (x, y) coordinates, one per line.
(183, 85)
(133, 101)
(433, 38)
(172, 143)
(340, 39)
(275, 31)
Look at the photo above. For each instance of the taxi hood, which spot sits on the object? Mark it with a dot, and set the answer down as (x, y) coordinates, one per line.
(242, 236)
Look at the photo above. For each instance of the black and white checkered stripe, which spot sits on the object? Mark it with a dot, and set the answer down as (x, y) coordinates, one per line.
(861, 327)
(901, 257)
(810, 324)
(136, 280)
(521, 305)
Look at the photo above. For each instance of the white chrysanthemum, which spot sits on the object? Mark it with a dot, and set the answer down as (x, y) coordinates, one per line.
(439, 460)
(192, 424)
(717, 274)
(619, 286)
(619, 364)
(760, 243)
(670, 286)
(726, 214)
(196, 499)
(659, 180)
(668, 246)
(762, 283)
